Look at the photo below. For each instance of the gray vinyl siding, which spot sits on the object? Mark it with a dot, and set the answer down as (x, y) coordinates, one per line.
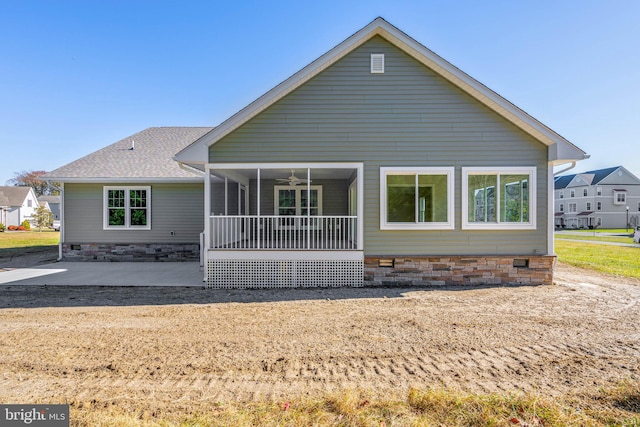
(174, 207)
(408, 116)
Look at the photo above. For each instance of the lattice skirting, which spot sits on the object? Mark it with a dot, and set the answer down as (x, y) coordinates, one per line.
(267, 271)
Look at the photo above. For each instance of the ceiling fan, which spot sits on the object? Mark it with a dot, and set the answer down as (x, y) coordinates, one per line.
(293, 179)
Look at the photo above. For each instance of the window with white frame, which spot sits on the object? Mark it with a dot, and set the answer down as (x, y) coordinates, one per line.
(498, 198)
(416, 198)
(561, 194)
(598, 222)
(585, 192)
(561, 207)
(293, 201)
(573, 207)
(598, 191)
(619, 197)
(572, 193)
(127, 208)
(588, 206)
(599, 206)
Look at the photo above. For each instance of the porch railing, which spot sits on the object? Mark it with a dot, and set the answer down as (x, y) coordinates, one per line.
(243, 232)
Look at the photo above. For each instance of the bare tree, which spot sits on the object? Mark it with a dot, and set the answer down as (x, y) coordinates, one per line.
(34, 180)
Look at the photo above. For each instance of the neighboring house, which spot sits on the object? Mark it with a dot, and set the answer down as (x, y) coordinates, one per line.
(54, 205)
(604, 198)
(377, 163)
(17, 204)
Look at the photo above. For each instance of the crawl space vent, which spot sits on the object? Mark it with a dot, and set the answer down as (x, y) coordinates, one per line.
(377, 63)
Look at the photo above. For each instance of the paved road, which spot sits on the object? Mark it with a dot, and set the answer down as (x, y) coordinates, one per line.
(560, 235)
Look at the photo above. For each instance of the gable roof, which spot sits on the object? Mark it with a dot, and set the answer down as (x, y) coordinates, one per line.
(562, 150)
(145, 156)
(50, 199)
(590, 177)
(13, 196)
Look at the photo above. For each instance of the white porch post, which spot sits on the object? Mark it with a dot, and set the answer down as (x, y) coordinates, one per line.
(360, 204)
(258, 204)
(308, 208)
(207, 219)
(226, 195)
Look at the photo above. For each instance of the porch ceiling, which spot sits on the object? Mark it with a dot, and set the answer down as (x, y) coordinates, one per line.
(320, 173)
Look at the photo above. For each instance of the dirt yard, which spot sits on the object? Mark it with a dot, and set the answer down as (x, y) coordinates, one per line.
(190, 347)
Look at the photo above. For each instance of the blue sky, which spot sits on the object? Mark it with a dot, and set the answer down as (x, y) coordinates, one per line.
(76, 76)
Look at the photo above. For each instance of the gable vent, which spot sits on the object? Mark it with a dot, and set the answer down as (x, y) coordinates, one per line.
(377, 63)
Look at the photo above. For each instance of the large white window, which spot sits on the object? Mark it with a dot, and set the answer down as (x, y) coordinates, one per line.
(619, 197)
(498, 198)
(416, 198)
(127, 208)
(573, 207)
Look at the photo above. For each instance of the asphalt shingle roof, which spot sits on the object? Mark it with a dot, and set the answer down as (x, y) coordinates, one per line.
(598, 175)
(49, 199)
(151, 156)
(13, 196)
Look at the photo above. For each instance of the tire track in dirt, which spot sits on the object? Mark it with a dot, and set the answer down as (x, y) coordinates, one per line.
(555, 338)
(498, 369)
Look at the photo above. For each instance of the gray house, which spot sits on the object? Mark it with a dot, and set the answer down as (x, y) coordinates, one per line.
(53, 203)
(377, 163)
(604, 198)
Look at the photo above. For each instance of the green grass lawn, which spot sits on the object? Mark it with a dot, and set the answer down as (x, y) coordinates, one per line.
(23, 239)
(618, 260)
(595, 238)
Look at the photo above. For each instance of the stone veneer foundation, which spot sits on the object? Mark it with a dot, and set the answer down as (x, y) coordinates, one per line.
(131, 252)
(458, 270)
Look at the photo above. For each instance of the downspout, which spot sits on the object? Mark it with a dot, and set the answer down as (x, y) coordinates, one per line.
(62, 227)
(551, 218)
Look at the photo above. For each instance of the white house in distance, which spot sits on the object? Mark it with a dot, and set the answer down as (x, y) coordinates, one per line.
(603, 198)
(17, 204)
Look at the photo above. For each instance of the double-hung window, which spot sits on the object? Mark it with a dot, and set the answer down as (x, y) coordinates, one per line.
(619, 197)
(498, 198)
(127, 208)
(416, 198)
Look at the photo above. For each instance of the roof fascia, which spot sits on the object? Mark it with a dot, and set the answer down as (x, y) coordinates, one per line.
(125, 179)
(564, 150)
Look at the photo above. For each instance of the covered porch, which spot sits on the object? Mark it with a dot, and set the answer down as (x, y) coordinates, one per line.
(283, 225)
